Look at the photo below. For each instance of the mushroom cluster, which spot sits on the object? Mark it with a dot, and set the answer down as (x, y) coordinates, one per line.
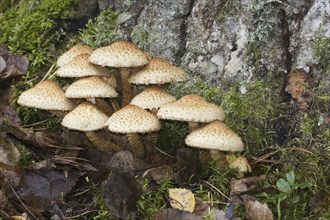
(90, 103)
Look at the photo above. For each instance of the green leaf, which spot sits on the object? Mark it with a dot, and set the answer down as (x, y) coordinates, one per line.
(290, 177)
(283, 186)
(295, 199)
(303, 185)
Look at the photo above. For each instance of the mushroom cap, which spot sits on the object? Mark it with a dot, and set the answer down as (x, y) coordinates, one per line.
(90, 87)
(158, 71)
(81, 67)
(85, 117)
(72, 53)
(193, 108)
(215, 136)
(46, 95)
(119, 54)
(241, 164)
(133, 119)
(152, 97)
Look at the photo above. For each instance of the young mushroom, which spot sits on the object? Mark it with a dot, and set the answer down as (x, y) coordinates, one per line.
(242, 165)
(216, 137)
(121, 54)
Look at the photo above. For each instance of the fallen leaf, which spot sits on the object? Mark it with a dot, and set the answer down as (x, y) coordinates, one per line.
(43, 187)
(17, 65)
(9, 154)
(159, 173)
(245, 185)
(121, 192)
(122, 160)
(258, 211)
(3, 64)
(175, 214)
(182, 199)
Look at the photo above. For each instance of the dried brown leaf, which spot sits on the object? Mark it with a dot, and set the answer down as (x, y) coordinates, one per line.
(9, 154)
(3, 64)
(16, 65)
(176, 214)
(40, 188)
(258, 211)
(121, 192)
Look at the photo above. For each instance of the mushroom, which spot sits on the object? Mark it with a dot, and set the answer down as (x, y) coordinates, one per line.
(242, 165)
(191, 108)
(215, 136)
(85, 117)
(152, 98)
(90, 88)
(121, 54)
(72, 53)
(158, 71)
(88, 118)
(130, 120)
(47, 95)
(80, 67)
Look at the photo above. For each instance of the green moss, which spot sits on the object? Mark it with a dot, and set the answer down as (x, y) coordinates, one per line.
(99, 32)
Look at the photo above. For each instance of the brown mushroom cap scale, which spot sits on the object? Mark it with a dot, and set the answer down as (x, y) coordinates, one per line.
(152, 98)
(90, 87)
(215, 136)
(47, 95)
(132, 119)
(81, 67)
(191, 108)
(158, 71)
(119, 54)
(85, 117)
(72, 53)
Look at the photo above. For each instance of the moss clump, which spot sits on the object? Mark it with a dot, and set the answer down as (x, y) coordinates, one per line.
(99, 32)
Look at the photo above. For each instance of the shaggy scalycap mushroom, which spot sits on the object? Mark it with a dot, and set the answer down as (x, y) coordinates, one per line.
(90, 87)
(215, 136)
(47, 95)
(119, 54)
(132, 119)
(81, 67)
(152, 98)
(85, 117)
(158, 71)
(191, 108)
(241, 164)
(72, 53)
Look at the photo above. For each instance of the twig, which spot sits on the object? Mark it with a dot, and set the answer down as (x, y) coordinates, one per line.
(263, 158)
(216, 189)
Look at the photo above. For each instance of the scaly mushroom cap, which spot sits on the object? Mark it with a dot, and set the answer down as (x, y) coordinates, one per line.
(47, 95)
(132, 119)
(158, 71)
(81, 67)
(192, 108)
(215, 136)
(119, 54)
(90, 87)
(152, 98)
(72, 53)
(85, 117)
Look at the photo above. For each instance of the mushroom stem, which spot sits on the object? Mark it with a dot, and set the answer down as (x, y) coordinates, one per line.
(192, 125)
(101, 143)
(92, 100)
(137, 147)
(127, 93)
